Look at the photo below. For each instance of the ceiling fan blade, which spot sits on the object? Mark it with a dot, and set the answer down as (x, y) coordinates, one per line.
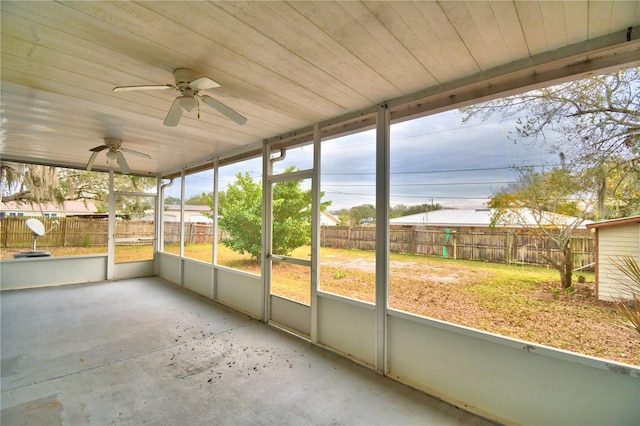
(203, 83)
(124, 167)
(131, 151)
(146, 87)
(174, 114)
(91, 160)
(99, 148)
(223, 109)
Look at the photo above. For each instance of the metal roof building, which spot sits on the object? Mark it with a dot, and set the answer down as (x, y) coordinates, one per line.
(482, 218)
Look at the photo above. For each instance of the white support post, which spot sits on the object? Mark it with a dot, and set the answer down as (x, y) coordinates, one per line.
(182, 191)
(267, 218)
(158, 241)
(315, 233)
(111, 242)
(181, 249)
(382, 234)
(214, 230)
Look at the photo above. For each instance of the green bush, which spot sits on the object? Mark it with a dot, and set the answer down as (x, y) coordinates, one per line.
(630, 309)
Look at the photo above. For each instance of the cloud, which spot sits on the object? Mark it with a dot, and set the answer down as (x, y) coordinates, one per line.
(434, 158)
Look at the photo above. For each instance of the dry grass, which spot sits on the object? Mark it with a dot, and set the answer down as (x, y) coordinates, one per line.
(514, 301)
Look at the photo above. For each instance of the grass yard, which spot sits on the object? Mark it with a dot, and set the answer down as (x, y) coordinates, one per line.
(515, 301)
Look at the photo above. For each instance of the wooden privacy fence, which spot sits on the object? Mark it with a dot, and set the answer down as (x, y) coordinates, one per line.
(194, 233)
(84, 232)
(491, 245)
(74, 232)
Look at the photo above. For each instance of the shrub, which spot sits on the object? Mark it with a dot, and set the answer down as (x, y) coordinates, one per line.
(630, 309)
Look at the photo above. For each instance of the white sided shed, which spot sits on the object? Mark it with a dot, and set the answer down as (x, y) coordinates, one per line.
(614, 239)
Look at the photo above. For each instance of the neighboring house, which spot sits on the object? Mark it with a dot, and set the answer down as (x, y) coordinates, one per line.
(67, 208)
(200, 219)
(327, 219)
(614, 239)
(480, 218)
(447, 217)
(172, 212)
(193, 213)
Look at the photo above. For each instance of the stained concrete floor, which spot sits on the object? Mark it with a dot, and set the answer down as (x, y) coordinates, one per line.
(147, 351)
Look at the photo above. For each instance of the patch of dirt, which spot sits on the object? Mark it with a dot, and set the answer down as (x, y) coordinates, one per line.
(438, 274)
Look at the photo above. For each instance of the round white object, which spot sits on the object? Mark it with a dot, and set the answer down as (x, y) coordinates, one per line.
(36, 226)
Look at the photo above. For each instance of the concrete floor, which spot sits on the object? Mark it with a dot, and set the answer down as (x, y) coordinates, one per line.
(146, 351)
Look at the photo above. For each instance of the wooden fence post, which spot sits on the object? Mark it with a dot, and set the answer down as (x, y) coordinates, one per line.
(414, 246)
(65, 220)
(455, 244)
(5, 232)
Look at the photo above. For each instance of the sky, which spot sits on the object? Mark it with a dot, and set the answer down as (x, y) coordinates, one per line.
(434, 159)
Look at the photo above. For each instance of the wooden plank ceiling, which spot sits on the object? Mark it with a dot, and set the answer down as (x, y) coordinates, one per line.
(285, 66)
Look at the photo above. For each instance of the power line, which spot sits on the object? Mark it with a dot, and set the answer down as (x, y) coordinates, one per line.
(479, 169)
(422, 184)
(373, 196)
(463, 126)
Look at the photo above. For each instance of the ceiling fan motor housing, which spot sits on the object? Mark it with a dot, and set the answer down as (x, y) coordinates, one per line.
(113, 142)
(184, 76)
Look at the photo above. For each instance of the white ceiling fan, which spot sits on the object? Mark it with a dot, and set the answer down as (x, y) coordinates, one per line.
(115, 150)
(188, 83)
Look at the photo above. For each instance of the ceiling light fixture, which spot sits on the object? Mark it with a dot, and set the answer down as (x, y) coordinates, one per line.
(111, 155)
(188, 103)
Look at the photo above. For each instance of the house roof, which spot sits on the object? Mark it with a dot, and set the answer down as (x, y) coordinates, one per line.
(482, 218)
(67, 207)
(327, 218)
(614, 222)
(187, 207)
(285, 66)
(447, 217)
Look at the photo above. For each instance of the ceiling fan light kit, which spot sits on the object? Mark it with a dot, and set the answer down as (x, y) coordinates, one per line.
(188, 103)
(115, 150)
(189, 83)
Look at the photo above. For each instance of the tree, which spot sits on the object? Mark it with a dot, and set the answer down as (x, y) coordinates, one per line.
(240, 214)
(171, 200)
(558, 203)
(363, 211)
(30, 183)
(402, 210)
(35, 184)
(198, 200)
(344, 216)
(622, 184)
(598, 120)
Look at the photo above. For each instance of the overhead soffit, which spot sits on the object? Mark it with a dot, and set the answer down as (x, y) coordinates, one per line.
(286, 66)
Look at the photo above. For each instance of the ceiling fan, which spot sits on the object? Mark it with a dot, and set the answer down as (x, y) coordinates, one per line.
(189, 84)
(114, 152)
